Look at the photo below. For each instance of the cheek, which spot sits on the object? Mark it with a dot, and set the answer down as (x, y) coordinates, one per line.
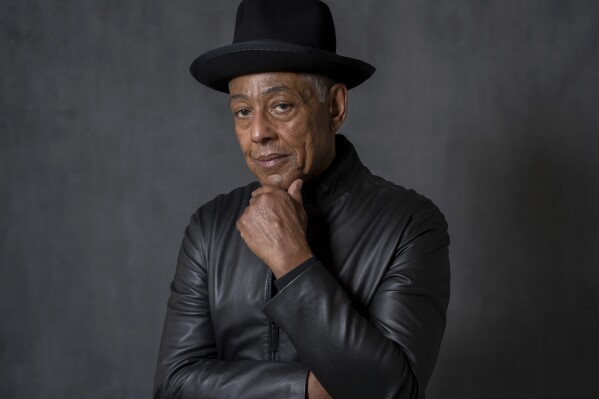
(297, 134)
(243, 140)
(316, 143)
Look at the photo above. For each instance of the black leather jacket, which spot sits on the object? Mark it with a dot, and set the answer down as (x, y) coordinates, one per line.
(367, 319)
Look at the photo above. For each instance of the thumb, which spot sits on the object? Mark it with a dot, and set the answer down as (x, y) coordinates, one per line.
(295, 190)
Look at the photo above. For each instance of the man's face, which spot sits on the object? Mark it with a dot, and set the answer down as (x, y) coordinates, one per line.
(284, 131)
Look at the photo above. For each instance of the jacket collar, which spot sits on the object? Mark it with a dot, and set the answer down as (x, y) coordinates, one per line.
(336, 178)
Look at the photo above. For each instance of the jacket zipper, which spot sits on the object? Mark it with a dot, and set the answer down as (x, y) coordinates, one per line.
(275, 340)
(273, 330)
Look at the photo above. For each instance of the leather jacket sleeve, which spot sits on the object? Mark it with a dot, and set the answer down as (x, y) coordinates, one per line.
(188, 366)
(390, 351)
(383, 348)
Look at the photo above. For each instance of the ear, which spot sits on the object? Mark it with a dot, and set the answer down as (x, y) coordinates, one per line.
(337, 105)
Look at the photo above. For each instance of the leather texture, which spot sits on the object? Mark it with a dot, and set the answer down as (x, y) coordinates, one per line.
(367, 319)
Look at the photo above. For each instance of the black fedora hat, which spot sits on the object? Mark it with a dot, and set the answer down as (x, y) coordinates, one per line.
(280, 36)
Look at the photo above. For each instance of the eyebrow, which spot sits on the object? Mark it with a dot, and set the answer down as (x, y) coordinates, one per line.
(275, 89)
(270, 90)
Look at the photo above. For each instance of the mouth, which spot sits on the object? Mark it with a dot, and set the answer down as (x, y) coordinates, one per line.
(270, 160)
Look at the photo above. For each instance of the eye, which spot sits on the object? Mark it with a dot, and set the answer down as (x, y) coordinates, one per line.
(242, 113)
(282, 107)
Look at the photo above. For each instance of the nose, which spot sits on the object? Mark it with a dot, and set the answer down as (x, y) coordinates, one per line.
(261, 129)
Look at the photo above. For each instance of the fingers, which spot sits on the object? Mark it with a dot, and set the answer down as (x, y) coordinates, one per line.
(295, 190)
(264, 190)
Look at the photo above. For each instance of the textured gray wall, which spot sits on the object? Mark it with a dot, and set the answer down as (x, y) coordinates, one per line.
(107, 146)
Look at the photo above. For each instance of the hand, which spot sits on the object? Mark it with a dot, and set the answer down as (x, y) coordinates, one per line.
(274, 227)
(315, 390)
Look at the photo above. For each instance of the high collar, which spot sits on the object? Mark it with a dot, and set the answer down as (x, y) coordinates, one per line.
(335, 179)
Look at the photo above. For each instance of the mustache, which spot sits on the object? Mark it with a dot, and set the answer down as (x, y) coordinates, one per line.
(269, 150)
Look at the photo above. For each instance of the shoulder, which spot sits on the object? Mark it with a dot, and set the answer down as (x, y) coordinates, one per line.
(222, 211)
(403, 212)
(233, 202)
(394, 197)
(215, 220)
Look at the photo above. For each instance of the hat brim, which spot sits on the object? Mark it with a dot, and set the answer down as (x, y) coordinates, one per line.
(217, 67)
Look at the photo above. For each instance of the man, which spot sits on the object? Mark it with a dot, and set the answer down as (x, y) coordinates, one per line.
(320, 280)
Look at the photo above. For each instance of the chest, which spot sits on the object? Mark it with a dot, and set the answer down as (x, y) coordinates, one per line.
(356, 250)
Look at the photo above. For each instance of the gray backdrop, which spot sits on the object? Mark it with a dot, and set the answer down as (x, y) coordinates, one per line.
(107, 145)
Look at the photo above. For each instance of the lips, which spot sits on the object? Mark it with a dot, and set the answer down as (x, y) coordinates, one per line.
(270, 160)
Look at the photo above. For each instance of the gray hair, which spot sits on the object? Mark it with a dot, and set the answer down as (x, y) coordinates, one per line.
(321, 84)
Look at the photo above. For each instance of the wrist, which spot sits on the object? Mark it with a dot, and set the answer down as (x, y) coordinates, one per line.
(290, 262)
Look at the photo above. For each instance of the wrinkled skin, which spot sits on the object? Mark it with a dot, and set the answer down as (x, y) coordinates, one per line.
(287, 136)
(285, 133)
(273, 226)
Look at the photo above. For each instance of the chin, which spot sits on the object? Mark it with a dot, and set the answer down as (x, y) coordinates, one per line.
(282, 182)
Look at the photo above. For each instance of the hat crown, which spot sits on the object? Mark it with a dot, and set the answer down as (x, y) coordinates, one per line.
(302, 22)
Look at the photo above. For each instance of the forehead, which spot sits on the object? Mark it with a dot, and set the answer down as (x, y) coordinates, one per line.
(262, 84)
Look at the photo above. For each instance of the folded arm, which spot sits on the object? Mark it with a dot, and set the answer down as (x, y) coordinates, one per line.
(389, 352)
(188, 366)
